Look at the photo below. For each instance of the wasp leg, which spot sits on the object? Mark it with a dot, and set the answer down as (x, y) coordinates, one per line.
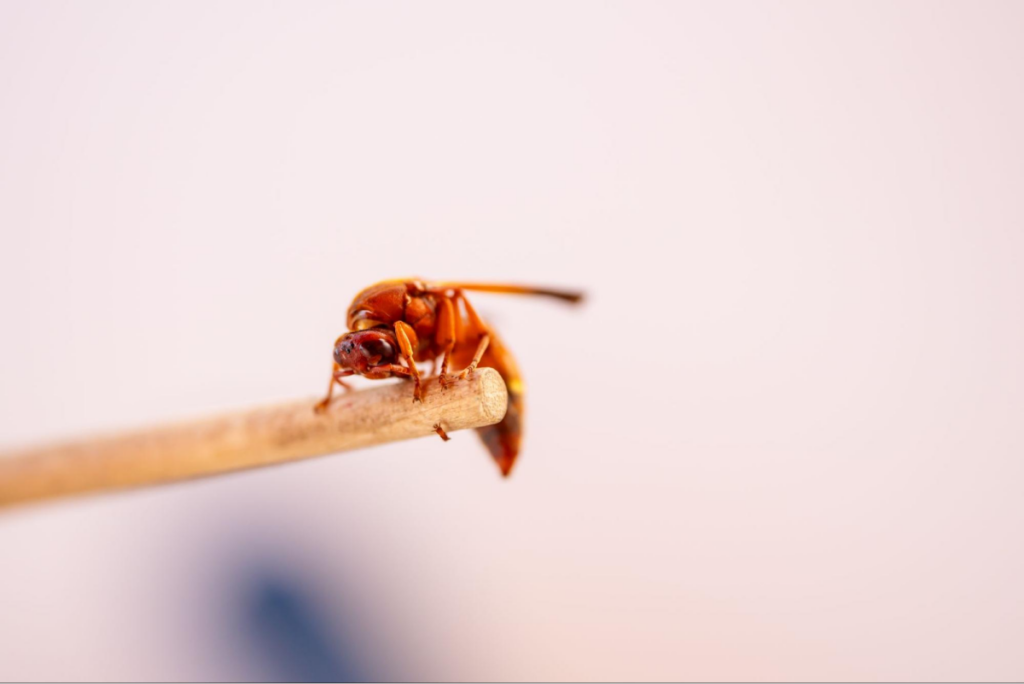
(336, 377)
(445, 338)
(440, 432)
(481, 347)
(404, 332)
(399, 371)
(476, 324)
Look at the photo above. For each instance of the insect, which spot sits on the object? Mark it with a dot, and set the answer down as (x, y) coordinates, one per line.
(397, 323)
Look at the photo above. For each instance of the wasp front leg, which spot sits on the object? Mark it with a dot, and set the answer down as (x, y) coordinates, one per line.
(336, 377)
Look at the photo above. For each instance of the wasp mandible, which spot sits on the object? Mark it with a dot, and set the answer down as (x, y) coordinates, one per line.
(396, 323)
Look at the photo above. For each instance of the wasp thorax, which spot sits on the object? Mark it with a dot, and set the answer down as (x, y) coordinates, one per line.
(362, 350)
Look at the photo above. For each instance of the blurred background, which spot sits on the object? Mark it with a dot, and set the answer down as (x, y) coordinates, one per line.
(782, 440)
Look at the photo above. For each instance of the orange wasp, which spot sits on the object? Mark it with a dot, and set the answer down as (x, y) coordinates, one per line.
(396, 323)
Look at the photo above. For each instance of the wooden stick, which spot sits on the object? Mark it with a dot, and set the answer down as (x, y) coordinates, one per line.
(248, 439)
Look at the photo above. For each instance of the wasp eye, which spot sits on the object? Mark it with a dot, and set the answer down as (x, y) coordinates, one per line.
(380, 350)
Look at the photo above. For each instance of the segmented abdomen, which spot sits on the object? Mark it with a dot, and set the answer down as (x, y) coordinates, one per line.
(502, 439)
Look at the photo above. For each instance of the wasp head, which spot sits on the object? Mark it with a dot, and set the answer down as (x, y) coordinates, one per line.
(367, 352)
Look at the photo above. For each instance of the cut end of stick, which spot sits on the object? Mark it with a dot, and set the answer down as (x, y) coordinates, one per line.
(249, 439)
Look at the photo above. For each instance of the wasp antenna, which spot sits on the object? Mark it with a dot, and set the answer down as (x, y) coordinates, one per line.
(571, 296)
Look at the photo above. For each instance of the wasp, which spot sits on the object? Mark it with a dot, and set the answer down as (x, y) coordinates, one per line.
(397, 323)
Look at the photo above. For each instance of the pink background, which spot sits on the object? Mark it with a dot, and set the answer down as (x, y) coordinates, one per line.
(783, 440)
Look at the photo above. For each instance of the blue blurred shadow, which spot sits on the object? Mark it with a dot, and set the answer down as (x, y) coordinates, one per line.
(290, 637)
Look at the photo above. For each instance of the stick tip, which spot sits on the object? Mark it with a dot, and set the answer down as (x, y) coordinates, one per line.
(493, 393)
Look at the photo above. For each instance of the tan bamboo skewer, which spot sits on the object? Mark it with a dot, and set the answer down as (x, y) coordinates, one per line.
(248, 439)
